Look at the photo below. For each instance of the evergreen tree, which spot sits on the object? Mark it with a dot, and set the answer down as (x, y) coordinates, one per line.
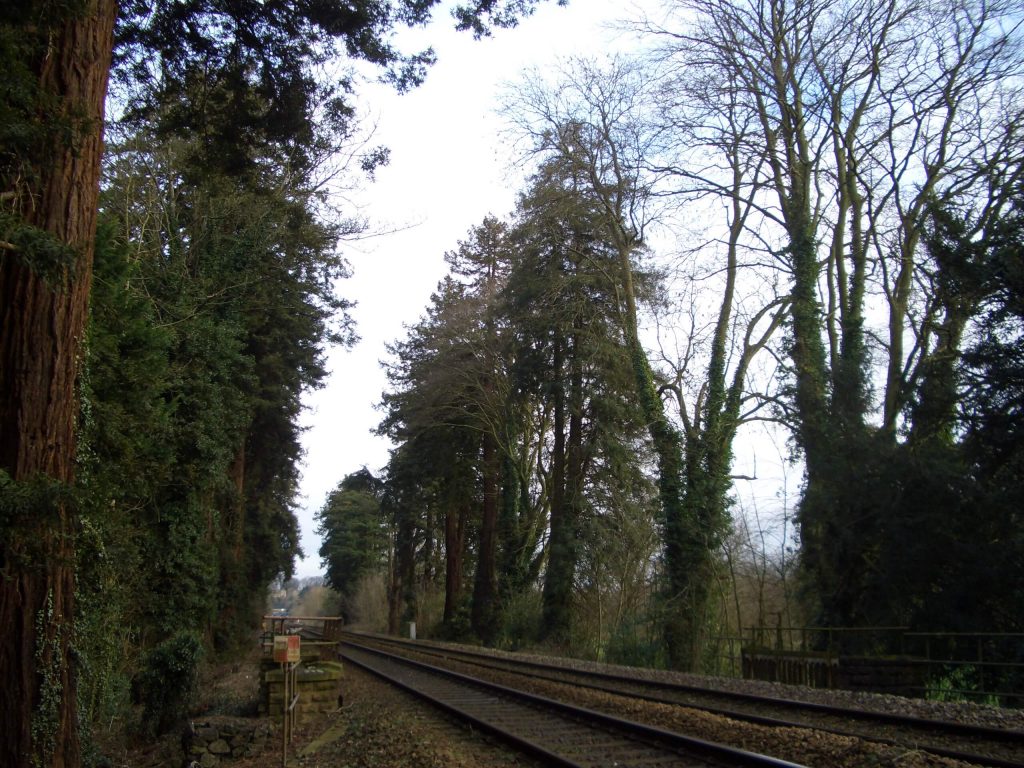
(563, 304)
(354, 537)
(439, 411)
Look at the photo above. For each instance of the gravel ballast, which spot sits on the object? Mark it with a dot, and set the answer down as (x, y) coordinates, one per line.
(959, 712)
(381, 727)
(801, 745)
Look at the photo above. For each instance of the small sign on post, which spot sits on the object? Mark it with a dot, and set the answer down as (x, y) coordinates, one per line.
(288, 653)
(287, 649)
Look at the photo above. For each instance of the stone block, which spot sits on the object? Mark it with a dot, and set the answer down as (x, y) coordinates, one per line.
(207, 733)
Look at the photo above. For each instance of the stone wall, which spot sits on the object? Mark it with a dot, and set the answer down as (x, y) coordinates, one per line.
(208, 743)
(319, 685)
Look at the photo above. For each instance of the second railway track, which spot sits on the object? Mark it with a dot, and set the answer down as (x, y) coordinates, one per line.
(972, 744)
(557, 733)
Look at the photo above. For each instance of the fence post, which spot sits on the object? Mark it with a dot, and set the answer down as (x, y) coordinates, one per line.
(981, 664)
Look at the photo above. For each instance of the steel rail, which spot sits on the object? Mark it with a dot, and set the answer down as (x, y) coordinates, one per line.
(551, 673)
(659, 744)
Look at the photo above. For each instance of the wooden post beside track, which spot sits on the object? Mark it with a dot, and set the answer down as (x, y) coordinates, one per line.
(288, 653)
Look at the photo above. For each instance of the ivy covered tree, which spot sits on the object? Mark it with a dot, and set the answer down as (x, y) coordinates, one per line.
(592, 122)
(213, 304)
(57, 57)
(845, 141)
(254, 78)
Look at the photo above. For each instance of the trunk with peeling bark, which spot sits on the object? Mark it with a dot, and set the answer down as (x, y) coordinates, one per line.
(43, 318)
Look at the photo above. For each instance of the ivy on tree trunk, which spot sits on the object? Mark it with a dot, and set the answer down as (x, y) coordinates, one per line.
(44, 308)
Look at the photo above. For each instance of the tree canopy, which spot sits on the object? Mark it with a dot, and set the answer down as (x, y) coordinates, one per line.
(839, 212)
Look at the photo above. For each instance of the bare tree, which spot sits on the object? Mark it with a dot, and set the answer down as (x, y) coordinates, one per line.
(849, 118)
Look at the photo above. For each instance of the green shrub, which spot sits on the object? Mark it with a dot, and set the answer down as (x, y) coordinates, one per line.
(458, 629)
(961, 683)
(523, 614)
(635, 643)
(169, 682)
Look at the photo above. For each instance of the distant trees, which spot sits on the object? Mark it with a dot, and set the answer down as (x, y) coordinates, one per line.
(354, 538)
(445, 413)
(512, 409)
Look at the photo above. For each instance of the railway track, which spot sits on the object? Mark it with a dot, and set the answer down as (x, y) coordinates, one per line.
(556, 733)
(978, 745)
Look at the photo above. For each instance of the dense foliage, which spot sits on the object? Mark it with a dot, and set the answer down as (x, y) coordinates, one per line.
(212, 307)
(354, 539)
(519, 439)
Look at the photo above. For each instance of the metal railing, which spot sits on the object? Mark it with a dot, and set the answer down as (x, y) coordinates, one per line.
(320, 634)
(833, 641)
(985, 666)
(979, 666)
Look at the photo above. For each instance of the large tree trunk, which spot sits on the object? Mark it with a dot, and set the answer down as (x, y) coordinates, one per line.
(485, 587)
(558, 576)
(394, 586)
(406, 553)
(454, 549)
(42, 327)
